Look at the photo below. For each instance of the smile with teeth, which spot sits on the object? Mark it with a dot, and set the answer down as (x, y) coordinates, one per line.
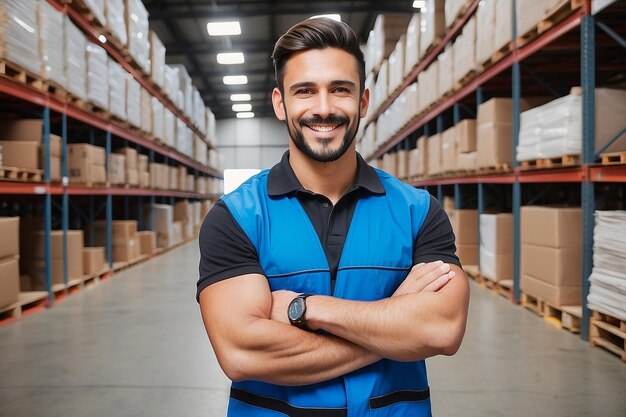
(322, 128)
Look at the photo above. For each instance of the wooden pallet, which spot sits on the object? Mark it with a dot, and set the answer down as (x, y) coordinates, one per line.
(608, 332)
(472, 271)
(613, 158)
(562, 317)
(552, 17)
(556, 162)
(464, 80)
(21, 174)
(494, 169)
(532, 303)
(17, 73)
(28, 303)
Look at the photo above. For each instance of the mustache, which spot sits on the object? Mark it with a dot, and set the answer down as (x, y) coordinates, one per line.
(330, 120)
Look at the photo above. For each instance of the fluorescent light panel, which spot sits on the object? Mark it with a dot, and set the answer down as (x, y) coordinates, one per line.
(419, 4)
(242, 107)
(235, 79)
(223, 28)
(229, 58)
(240, 97)
(333, 16)
(245, 115)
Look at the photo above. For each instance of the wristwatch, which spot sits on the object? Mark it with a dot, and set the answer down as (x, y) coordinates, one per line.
(297, 311)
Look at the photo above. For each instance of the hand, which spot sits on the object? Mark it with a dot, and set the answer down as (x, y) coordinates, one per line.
(430, 276)
(280, 304)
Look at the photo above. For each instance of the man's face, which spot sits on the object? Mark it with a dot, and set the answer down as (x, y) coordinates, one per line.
(321, 104)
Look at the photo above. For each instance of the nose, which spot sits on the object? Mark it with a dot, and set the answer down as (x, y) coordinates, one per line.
(324, 105)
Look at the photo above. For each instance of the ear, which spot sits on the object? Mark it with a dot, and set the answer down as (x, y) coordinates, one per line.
(277, 102)
(365, 102)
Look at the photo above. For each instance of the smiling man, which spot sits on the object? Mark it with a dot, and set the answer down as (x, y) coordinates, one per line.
(324, 283)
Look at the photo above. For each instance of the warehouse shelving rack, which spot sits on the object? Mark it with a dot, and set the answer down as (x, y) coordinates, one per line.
(35, 102)
(588, 173)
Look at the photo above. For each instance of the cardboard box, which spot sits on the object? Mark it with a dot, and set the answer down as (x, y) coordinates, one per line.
(10, 232)
(142, 163)
(467, 161)
(496, 110)
(147, 242)
(121, 231)
(556, 266)
(434, 154)
(35, 249)
(9, 281)
(496, 233)
(466, 135)
(467, 254)
(422, 157)
(87, 163)
(144, 180)
(449, 150)
(94, 260)
(34, 259)
(495, 267)
(555, 295)
(117, 169)
(132, 177)
(131, 157)
(127, 251)
(402, 164)
(55, 167)
(556, 227)
(465, 227)
(448, 205)
(20, 154)
(494, 143)
(21, 129)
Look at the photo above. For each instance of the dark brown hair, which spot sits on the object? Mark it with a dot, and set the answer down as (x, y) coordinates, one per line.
(316, 33)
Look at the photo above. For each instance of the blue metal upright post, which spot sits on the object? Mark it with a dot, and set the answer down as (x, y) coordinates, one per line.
(456, 113)
(152, 199)
(457, 196)
(66, 203)
(47, 210)
(481, 209)
(109, 205)
(440, 193)
(588, 83)
(517, 187)
(517, 202)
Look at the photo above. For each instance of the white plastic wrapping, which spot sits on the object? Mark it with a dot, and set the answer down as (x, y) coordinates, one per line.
(465, 51)
(133, 101)
(50, 22)
(137, 30)
(200, 151)
(432, 25)
(485, 27)
(157, 119)
(115, 12)
(19, 37)
(180, 135)
(169, 127)
(446, 72)
(453, 9)
(97, 76)
(210, 127)
(146, 111)
(157, 60)
(170, 82)
(74, 48)
(117, 90)
(96, 7)
(199, 111)
(607, 292)
(412, 47)
(184, 85)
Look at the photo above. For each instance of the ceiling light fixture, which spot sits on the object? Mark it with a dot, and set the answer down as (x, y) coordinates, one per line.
(419, 4)
(242, 107)
(223, 28)
(245, 115)
(240, 97)
(229, 58)
(235, 79)
(333, 16)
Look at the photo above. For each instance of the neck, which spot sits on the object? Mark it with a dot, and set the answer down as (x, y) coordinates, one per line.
(331, 179)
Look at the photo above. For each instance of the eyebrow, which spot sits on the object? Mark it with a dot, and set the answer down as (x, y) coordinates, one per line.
(333, 83)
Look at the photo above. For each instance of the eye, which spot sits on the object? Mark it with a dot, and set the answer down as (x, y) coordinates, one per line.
(342, 90)
(301, 91)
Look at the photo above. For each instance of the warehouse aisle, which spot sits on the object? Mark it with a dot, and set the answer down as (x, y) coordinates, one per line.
(135, 346)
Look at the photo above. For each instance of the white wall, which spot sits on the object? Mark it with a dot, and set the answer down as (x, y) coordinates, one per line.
(251, 143)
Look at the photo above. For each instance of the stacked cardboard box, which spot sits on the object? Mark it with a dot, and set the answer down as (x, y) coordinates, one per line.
(496, 246)
(412, 47)
(34, 262)
(87, 164)
(159, 176)
(19, 36)
(503, 33)
(185, 86)
(168, 232)
(94, 260)
(206, 207)
(199, 111)
(117, 90)
(434, 155)
(465, 227)
(201, 185)
(448, 206)
(433, 24)
(130, 165)
(117, 169)
(173, 178)
(50, 22)
(196, 208)
(466, 140)
(74, 46)
(115, 12)
(125, 242)
(183, 212)
(449, 150)
(137, 31)
(97, 76)
(551, 254)
(200, 150)
(147, 242)
(20, 154)
(494, 133)
(134, 110)
(9, 260)
(143, 171)
(170, 82)
(485, 27)
(402, 164)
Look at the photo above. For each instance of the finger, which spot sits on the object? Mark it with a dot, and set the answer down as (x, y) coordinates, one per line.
(439, 283)
(431, 276)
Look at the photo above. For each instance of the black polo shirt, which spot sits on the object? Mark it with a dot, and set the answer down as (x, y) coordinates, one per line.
(226, 251)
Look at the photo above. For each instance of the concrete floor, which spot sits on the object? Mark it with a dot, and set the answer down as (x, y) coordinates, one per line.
(135, 346)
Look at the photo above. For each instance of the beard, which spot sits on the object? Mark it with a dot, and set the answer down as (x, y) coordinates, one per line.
(326, 154)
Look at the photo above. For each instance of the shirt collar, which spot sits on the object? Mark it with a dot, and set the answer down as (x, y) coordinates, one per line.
(282, 180)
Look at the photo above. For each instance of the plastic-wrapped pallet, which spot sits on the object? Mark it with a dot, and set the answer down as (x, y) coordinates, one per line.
(485, 26)
(453, 9)
(157, 59)
(199, 150)
(137, 29)
(75, 60)
(412, 45)
(433, 25)
(50, 22)
(19, 35)
(210, 127)
(465, 51)
(503, 33)
(387, 30)
(97, 76)
(157, 119)
(412, 99)
(133, 101)
(528, 15)
(115, 11)
(180, 135)
(169, 127)
(496, 246)
(117, 89)
(170, 82)
(96, 7)
(146, 111)
(184, 84)
(446, 68)
(199, 111)
(396, 65)
(607, 292)
(381, 91)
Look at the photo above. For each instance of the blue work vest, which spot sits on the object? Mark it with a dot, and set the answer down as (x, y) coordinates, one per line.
(377, 256)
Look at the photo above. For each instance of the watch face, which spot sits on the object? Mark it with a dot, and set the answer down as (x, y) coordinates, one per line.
(296, 308)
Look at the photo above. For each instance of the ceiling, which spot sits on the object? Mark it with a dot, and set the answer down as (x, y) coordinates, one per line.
(181, 26)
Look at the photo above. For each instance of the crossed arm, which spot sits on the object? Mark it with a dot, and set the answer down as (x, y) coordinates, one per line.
(253, 339)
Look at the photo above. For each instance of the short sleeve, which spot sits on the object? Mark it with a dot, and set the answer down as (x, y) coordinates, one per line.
(225, 249)
(435, 240)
